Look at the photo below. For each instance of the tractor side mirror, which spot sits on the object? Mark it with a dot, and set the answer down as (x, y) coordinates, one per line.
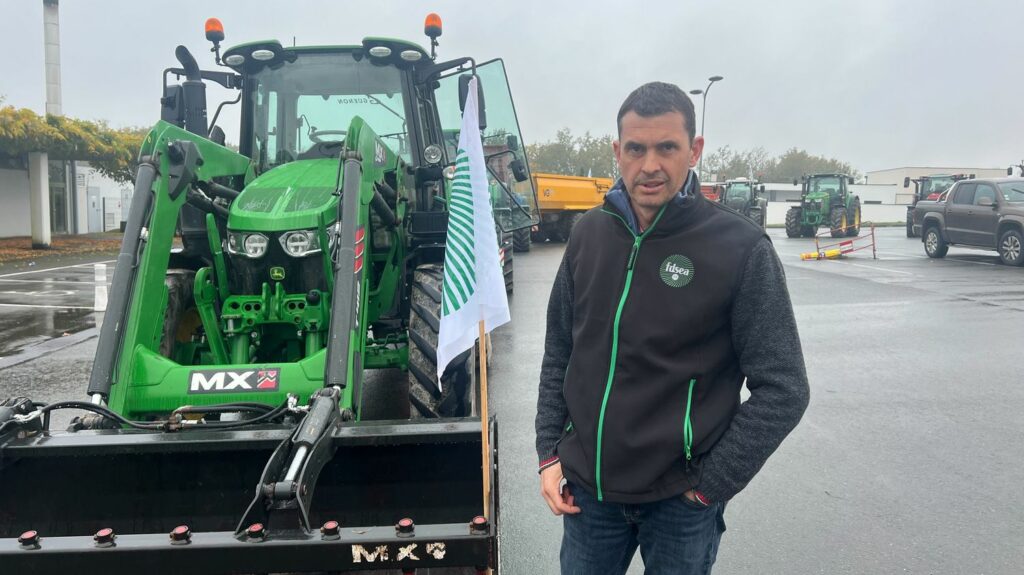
(518, 170)
(850, 180)
(760, 189)
(512, 143)
(464, 93)
(217, 135)
(172, 105)
(1009, 171)
(796, 182)
(906, 181)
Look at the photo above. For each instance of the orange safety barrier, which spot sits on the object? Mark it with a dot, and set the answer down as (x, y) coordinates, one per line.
(844, 247)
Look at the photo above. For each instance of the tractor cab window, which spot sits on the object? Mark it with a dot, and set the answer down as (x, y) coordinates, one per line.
(830, 184)
(302, 107)
(936, 185)
(737, 192)
(515, 201)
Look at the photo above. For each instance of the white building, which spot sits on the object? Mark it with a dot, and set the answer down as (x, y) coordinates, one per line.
(895, 177)
(81, 199)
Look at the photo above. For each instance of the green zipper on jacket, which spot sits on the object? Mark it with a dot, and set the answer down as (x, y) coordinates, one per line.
(637, 240)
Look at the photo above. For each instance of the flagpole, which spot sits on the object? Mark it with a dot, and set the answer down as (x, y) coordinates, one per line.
(485, 436)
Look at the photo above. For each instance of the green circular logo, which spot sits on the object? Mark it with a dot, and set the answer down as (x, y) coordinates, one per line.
(676, 271)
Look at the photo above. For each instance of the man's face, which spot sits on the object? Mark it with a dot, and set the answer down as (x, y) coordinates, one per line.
(654, 156)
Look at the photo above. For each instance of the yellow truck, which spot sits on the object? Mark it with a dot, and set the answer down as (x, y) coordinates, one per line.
(562, 201)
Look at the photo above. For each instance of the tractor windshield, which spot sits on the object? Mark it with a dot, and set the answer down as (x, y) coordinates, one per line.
(313, 100)
(936, 185)
(827, 184)
(737, 192)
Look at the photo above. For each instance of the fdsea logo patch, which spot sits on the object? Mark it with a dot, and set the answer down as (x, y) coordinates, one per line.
(676, 271)
(209, 381)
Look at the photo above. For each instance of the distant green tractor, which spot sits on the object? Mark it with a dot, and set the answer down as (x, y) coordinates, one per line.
(825, 200)
(744, 196)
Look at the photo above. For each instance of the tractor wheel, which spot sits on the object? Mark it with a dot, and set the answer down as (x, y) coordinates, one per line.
(521, 240)
(1010, 244)
(934, 245)
(793, 227)
(540, 236)
(507, 262)
(567, 223)
(181, 319)
(854, 224)
(426, 398)
(837, 219)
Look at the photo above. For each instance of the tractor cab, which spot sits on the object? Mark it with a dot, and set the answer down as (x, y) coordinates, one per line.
(928, 188)
(744, 196)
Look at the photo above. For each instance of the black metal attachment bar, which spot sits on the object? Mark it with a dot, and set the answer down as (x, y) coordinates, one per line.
(351, 549)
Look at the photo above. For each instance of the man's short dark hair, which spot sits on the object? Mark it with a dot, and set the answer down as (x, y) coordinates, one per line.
(657, 98)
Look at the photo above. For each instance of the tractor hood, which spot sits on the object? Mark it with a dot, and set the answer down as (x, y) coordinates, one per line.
(292, 196)
(816, 197)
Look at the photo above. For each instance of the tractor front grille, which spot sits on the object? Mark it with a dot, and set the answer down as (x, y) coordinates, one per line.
(246, 276)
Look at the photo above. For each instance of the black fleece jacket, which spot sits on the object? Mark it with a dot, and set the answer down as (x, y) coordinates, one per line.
(731, 441)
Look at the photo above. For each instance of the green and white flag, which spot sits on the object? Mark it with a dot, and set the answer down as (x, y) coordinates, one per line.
(473, 289)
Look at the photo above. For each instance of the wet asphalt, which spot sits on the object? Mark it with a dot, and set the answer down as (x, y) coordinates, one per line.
(908, 459)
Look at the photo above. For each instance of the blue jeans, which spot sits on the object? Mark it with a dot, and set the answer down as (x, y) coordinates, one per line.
(676, 536)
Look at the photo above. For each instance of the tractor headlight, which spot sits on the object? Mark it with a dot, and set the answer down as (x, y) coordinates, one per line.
(300, 243)
(248, 244)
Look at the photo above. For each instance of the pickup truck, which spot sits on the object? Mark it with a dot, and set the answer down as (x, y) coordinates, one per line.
(984, 213)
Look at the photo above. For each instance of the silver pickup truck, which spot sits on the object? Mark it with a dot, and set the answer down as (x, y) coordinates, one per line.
(982, 213)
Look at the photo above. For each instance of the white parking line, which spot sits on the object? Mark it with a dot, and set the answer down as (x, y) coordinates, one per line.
(52, 269)
(100, 298)
(878, 269)
(68, 282)
(41, 306)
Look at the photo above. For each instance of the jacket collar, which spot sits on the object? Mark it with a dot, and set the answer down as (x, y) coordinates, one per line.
(618, 199)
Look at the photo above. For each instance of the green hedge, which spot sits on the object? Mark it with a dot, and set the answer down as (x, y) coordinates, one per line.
(112, 152)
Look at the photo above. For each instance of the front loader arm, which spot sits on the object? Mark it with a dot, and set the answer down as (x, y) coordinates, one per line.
(171, 161)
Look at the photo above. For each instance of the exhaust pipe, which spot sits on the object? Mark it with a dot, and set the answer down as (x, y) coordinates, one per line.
(195, 93)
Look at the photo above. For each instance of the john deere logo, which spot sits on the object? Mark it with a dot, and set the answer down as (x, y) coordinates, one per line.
(676, 271)
(277, 273)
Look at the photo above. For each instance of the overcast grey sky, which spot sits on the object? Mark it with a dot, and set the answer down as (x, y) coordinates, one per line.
(877, 83)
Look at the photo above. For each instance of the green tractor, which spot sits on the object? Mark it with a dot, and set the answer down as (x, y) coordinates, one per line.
(745, 196)
(226, 427)
(825, 200)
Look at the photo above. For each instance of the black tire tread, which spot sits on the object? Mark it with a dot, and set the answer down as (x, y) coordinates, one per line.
(426, 398)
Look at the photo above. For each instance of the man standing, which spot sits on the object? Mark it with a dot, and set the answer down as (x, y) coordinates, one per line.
(663, 304)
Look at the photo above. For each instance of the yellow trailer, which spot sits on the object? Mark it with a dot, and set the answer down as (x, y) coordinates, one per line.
(562, 201)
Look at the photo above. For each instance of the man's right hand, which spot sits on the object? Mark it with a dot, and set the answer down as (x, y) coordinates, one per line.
(559, 502)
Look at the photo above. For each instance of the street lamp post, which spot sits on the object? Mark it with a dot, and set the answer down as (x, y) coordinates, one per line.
(703, 109)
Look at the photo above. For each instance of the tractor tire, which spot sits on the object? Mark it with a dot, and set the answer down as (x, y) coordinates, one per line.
(837, 221)
(757, 215)
(428, 400)
(1010, 248)
(521, 240)
(567, 223)
(910, 226)
(540, 236)
(181, 319)
(853, 225)
(793, 227)
(934, 245)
